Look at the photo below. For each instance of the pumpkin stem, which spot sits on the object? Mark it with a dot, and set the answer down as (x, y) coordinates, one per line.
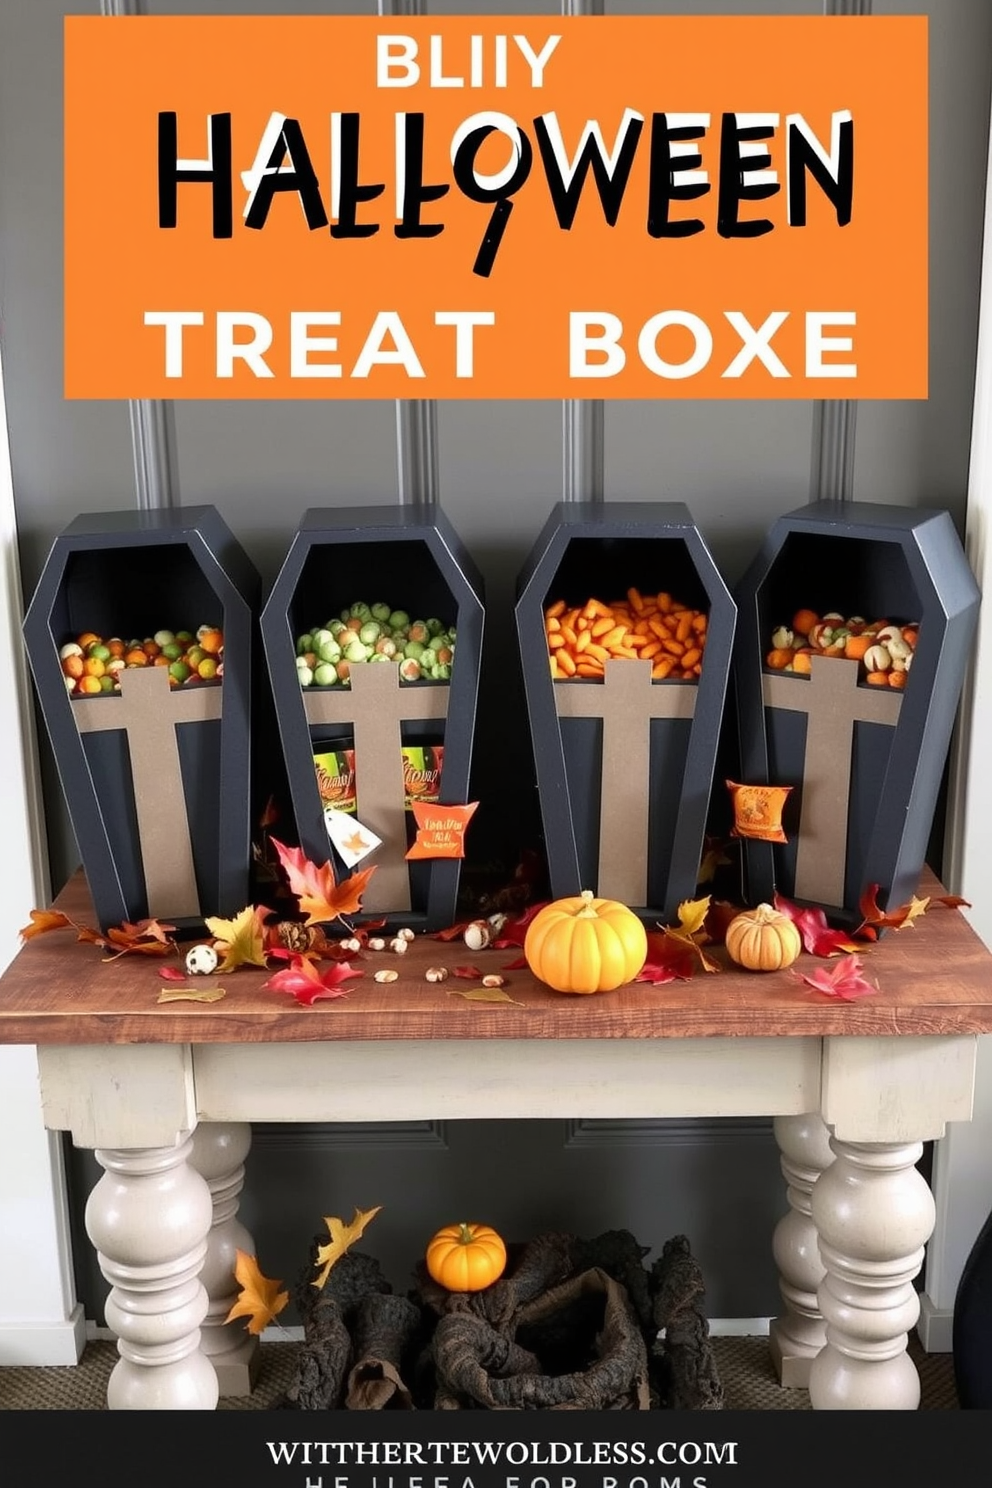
(586, 912)
(464, 1234)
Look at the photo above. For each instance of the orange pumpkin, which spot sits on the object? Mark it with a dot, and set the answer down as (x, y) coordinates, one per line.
(584, 944)
(763, 939)
(466, 1257)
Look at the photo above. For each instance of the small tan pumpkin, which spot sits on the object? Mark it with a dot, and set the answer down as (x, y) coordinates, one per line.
(763, 939)
(584, 944)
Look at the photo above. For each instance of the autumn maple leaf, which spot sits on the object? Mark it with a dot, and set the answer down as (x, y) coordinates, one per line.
(342, 1238)
(514, 932)
(146, 938)
(307, 985)
(843, 979)
(818, 938)
(875, 919)
(43, 920)
(669, 958)
(675, 950)
(242, 940)
(260, 1299)
(320, 897)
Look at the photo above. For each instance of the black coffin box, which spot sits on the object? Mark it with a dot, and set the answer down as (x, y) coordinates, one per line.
(624, 764)
(157, 781)
(864, 762)
(406, 558)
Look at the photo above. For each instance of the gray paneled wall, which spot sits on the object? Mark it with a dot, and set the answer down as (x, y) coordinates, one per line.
(499, 469)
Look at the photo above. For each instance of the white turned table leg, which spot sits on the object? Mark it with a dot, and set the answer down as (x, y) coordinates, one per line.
(219, 1152)
(799, 1334)
(149, 1217)
(874, 1214)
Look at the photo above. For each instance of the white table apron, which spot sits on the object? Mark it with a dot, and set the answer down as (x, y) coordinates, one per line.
(852, 1115)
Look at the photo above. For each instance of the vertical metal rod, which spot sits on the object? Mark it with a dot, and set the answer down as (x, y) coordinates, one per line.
(416, 418)
(583, 421)
(153, 420)
(835, 420)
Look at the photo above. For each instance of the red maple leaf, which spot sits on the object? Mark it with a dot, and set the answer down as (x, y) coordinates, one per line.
(514, 932)
(453, 931)
(670, 958)
(471, 973)
(818, 938)
(171, 974)
(843, 980)
(876, 919)
(306, 984)
(319, 896)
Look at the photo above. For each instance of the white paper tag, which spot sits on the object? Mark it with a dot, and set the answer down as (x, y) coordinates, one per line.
(351, 840)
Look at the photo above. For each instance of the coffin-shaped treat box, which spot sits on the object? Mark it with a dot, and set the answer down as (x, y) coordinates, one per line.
(156, 770)
(864, 759)
(625, 756)
(399, 564)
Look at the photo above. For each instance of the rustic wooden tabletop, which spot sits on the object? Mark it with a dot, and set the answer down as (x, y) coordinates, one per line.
(934, 977)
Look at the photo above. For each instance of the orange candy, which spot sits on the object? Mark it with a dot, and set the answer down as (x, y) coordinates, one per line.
(804, 620)
(213, 640)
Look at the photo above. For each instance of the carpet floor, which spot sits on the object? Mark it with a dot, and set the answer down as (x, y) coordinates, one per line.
(745, 1370)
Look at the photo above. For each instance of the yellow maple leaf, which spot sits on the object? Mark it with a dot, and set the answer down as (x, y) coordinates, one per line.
(241, 940)
(260, 1299)
(692, 916)
(342, 1238)
(914, 910)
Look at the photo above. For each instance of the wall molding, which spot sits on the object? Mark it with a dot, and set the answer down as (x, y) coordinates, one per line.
(652, 1132)
(368, 1136)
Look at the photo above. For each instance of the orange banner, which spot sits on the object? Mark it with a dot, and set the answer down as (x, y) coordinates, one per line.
(588, 207)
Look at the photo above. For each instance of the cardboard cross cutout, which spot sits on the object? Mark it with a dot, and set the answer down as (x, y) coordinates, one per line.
(833, 703)
(376, 706)
(148, 710)
(626, 700)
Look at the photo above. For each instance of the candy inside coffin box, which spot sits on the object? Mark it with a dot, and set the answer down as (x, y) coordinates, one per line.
(625, 697)
(373, 639)
(152, 738)
(819, 713)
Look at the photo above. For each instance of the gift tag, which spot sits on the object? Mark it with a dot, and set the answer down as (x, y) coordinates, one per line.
(351, 840)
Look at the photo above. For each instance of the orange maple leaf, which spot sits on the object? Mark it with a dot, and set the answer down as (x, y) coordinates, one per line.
(43, 920)
(260, 1299)
(320, 897)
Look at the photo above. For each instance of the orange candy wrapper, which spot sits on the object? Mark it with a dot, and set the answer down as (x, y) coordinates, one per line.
(758, 811)
(440, 830)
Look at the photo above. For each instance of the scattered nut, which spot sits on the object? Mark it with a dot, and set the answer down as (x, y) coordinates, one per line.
(201, 960)
(387, 976)
(351, 944)
(493, 980)
(377, 943)
(406, 934)
(477, 935)
(436, 974)
(399, 945)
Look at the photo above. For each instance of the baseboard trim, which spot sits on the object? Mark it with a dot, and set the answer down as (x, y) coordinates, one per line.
(739, 1327)
(935, 1328)
(36, 1345)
